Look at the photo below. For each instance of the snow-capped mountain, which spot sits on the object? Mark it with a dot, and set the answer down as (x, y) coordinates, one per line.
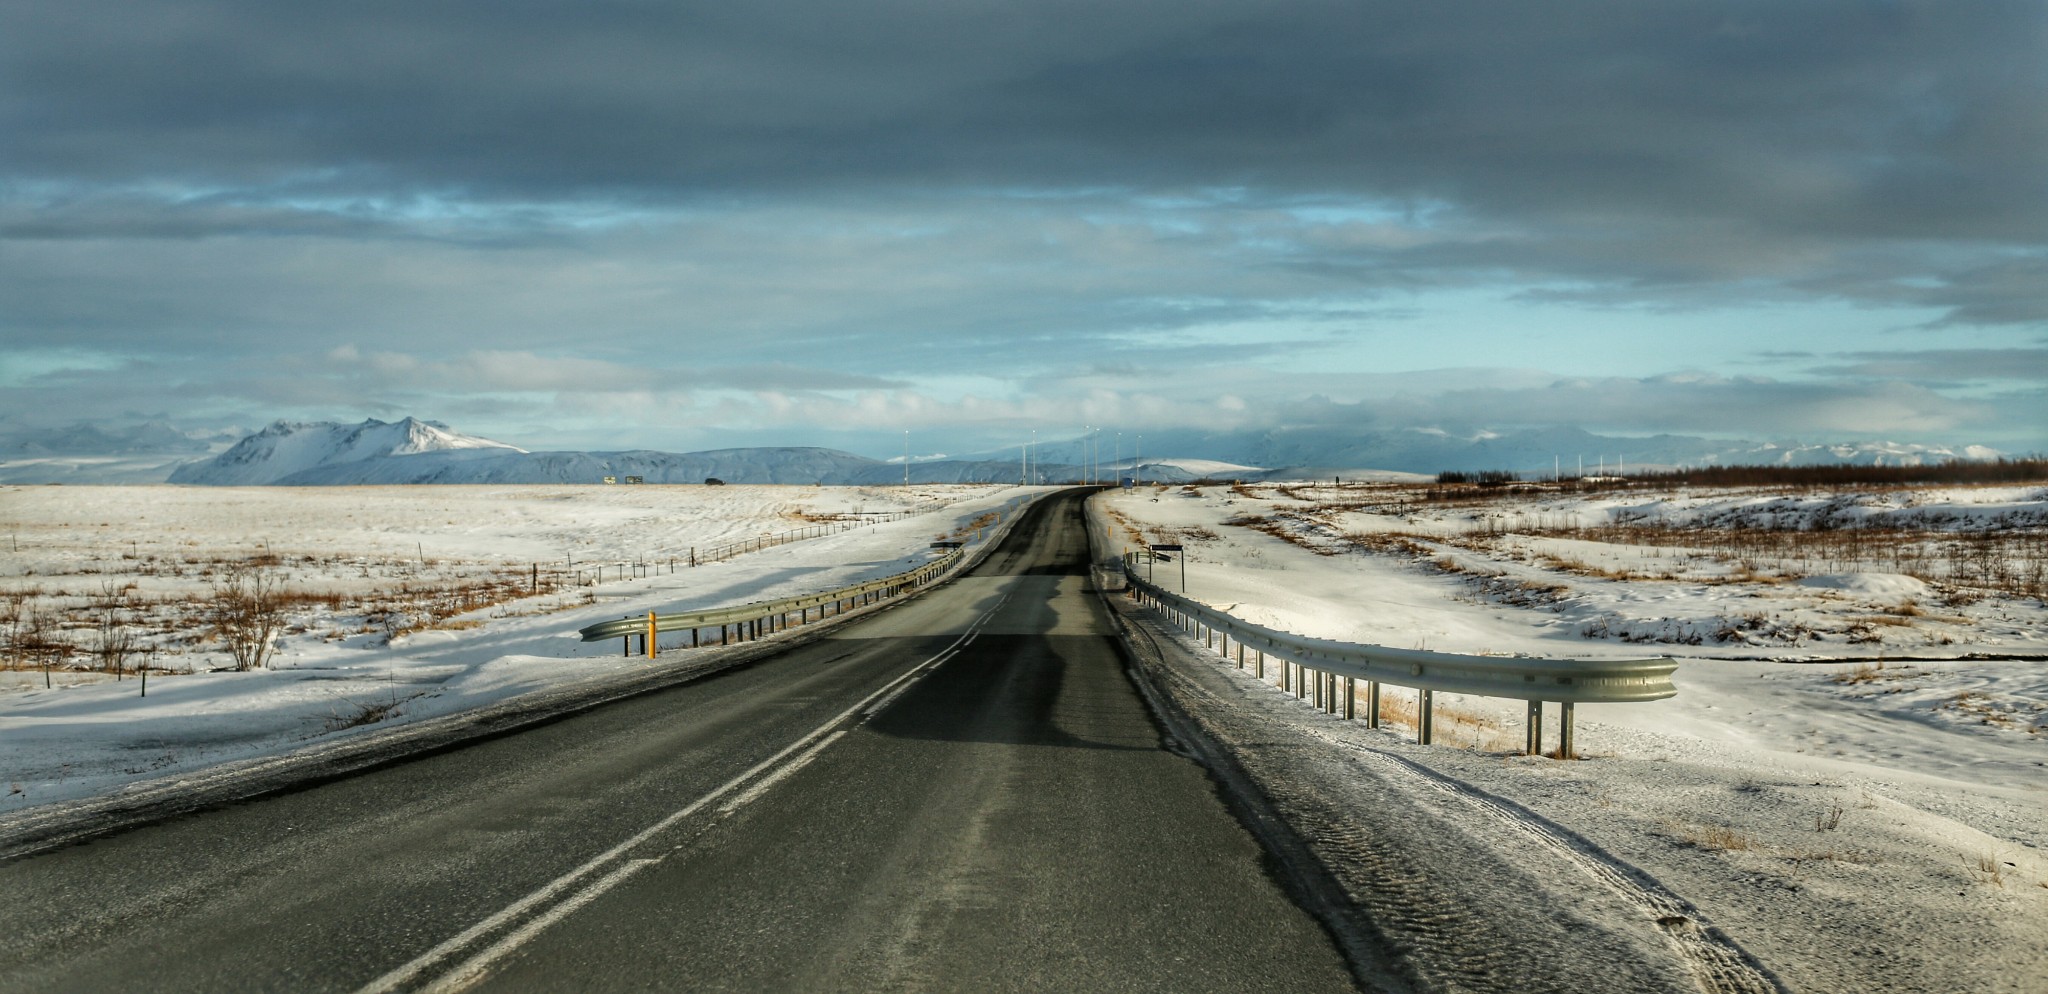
(145, 438)
(287, 449)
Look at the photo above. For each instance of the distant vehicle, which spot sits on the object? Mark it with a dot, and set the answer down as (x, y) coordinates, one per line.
(712, 481)
(635, 479)
(611, 479)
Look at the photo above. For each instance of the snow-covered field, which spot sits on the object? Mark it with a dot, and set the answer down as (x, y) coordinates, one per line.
(1853, 778)
(405, 602)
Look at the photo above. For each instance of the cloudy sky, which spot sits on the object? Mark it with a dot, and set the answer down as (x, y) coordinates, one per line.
(684, 225)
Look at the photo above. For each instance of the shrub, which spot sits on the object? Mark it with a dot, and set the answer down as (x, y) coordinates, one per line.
(248, 613)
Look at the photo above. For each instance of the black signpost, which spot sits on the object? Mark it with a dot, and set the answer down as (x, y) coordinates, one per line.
(1157, 549)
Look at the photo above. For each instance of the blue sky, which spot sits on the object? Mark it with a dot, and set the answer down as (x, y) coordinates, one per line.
(635, 224)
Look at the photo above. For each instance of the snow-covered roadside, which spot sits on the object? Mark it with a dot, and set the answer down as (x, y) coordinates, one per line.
(1852, 827)
(332, 680)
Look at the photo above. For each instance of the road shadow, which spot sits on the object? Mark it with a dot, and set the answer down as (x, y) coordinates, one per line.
(1028, 686)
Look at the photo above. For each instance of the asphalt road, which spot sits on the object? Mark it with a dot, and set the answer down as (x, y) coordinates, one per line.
(961, 793)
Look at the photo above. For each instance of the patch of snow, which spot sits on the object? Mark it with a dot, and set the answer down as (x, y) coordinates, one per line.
(1876, 586)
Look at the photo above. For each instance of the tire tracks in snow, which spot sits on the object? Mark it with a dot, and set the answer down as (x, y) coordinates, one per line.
(1717, 962)
(1441, 935)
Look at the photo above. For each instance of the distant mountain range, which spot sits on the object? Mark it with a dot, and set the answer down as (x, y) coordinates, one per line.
(414, 451)
(1324, 450)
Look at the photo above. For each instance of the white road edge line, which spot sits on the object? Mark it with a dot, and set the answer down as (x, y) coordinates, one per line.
(420, 964)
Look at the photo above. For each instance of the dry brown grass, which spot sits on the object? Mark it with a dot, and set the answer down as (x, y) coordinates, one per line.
(1987, 868)
(1713, 838)
(2010, 562)
(1275, 528)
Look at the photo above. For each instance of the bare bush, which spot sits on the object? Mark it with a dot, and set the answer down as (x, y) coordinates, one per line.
(248, 610)
(115, 640)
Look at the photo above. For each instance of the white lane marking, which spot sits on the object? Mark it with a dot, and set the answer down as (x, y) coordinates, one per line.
(764, 784)
(420, 964)
(472, 970)
(900, 691)
(974, 630)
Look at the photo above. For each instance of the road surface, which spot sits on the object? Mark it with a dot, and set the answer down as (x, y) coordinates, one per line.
(964, 792)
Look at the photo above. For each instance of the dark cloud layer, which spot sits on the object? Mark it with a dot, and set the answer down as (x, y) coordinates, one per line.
(1892, 119)
(814, 197)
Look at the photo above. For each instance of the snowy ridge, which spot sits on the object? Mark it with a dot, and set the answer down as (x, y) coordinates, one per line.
(288, 448)
(420, 452)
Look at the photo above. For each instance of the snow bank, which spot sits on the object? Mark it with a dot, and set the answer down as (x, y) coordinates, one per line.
(337, 674)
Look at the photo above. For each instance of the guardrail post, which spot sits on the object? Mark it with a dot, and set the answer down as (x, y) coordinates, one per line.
(1565, 749)
(1316, 696)
(1535, 744)
(1350, 697)
(693, 638)
(650, 637)
(1372, 704)
(1260, 671)
(1425, 716)
(626, 645)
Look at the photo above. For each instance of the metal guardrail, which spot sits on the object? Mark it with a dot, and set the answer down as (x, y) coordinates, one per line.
(766, 617)
(1533, 680)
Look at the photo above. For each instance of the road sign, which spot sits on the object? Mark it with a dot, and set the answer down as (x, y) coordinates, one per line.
(1157, 549)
